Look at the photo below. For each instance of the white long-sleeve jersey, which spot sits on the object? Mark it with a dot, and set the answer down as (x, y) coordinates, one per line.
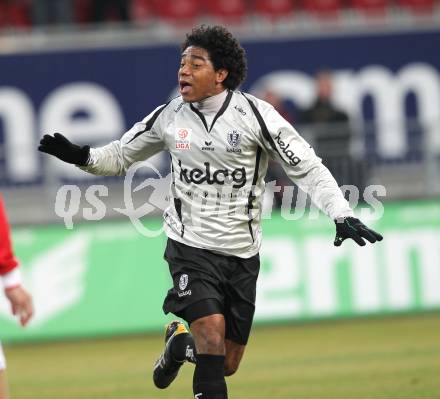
(218, 169)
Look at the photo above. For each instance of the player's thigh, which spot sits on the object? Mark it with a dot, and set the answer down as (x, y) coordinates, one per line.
(234, 354)
(197, 278)
(240, 299)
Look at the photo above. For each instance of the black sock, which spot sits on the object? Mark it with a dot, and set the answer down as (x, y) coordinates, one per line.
(183, 348)
(209, 377)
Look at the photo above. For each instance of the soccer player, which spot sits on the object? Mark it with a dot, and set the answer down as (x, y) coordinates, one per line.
(219, 140)
(20, 300)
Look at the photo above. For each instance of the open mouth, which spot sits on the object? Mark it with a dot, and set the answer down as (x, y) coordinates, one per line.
(185, 87)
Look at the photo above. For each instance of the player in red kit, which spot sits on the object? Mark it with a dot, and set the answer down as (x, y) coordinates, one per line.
(19, 298)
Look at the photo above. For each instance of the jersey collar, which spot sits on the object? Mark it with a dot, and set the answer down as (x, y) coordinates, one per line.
(225, 99)
(211, 105)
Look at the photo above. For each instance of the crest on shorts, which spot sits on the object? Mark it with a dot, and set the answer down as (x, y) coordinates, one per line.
(234, 138)
(183, 281)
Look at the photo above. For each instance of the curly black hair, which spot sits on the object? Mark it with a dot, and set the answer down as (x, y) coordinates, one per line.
(224, 51)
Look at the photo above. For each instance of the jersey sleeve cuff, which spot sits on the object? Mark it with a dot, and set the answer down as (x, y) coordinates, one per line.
(345, 214)
(12, 279)
(90, 161)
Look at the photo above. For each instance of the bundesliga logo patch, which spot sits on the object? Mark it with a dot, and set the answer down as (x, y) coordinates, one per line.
(183, 139)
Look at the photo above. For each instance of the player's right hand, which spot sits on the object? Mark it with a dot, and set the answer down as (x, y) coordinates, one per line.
(60, 147)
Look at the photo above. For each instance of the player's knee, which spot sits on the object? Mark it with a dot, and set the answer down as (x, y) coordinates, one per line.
(209, 336)
(231, 364)
(230, 369)
(234, 354)
(213, 343)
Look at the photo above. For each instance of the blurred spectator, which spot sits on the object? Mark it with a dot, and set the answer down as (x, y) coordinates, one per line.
(104, 10)
(277, 102)
(332, 134)
(52, 12)
(274, 169)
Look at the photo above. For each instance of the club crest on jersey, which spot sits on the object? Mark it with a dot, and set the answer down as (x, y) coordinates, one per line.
(183, 281)
(234, 140)
(183, 139)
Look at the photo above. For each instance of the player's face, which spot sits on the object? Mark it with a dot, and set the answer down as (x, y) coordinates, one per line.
(197, 77)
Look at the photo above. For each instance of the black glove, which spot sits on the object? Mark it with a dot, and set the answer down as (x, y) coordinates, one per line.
(63, 149)
(353, 228)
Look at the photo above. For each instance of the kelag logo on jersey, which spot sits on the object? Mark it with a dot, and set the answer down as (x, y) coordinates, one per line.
(239, 109)
(219, 176)
(293, 159)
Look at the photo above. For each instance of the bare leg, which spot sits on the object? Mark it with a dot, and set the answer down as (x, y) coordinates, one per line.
(209, 334)
(209, 373)
(234, 354)
(3, 385)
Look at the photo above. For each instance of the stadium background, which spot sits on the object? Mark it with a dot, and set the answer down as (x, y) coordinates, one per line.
(92, 77)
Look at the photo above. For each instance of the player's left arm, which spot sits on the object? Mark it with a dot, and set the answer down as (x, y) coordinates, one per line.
(19, 298)
(305, 168)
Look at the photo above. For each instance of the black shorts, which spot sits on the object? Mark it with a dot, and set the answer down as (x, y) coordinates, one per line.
(207, 283)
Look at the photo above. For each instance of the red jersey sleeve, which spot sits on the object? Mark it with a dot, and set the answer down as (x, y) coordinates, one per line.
(7, 259)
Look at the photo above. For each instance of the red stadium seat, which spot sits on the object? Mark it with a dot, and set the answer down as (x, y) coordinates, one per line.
(14, 14)
(418, 7)
(3, 18)
(273, 9)
(232, 11)
(371, 8)
(82, 10)
(141, 10)
(179, 12)
(323, 8)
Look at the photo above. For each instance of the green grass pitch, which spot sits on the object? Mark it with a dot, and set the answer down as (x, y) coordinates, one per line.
(389, 358)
